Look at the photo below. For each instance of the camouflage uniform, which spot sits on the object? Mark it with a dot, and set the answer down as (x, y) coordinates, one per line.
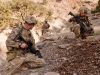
(79, 32)
(45, 27)
(88, 26)
(75, 28)
(14, 49)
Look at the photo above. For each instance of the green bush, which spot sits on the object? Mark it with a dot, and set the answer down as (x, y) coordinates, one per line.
(97, 8)
(21, 8)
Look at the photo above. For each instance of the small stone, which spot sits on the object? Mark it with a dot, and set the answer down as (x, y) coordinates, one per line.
(51, 73)
(34, 73)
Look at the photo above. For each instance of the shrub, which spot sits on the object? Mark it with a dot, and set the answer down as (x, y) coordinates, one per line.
(19, 9)
(97, 8)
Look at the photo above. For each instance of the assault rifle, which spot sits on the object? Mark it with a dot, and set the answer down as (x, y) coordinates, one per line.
(77, 18)
(29, 48)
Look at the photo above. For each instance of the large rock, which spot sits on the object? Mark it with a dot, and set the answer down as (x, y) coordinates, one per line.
(63, 46)
(34, 73)
(52, 38)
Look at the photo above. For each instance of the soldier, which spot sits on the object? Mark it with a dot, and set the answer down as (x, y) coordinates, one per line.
(16, 47)
(45, 27)
(77, 29)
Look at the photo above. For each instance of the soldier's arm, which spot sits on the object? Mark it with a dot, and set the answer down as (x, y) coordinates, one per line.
(89, 21)
(10, 42)
(48, 25)
(34, 46)
(43, 26)
(71, 19)
(33, 41)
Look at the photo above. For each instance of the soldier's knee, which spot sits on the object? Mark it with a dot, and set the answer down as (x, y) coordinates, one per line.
(41, 62)
(71, 29)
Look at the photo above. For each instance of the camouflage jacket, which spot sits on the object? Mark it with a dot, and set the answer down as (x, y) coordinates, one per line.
(85, 20)
(13, 45)
(45, 26)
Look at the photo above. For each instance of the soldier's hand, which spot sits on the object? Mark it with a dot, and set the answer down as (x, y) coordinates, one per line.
(23, 45)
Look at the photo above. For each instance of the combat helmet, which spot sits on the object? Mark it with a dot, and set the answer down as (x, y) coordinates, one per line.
(30, 19)
(83, 9)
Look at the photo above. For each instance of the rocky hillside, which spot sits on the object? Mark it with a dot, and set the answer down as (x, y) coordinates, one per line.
(61, 8)
(62, 53)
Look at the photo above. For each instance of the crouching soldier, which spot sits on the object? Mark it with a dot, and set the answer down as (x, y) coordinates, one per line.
(77, 29)
(17, 56)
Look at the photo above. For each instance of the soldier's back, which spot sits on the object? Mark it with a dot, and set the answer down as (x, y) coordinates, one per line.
(46, 26)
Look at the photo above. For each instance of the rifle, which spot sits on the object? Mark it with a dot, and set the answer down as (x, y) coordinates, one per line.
(29, 43)
(78, 21)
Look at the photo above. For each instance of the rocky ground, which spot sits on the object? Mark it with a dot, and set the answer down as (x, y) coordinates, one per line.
(83, 58)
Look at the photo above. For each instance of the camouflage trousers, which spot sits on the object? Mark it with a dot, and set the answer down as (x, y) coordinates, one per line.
(33, 61)
(29, 60)
(81, 33)
(44, 31)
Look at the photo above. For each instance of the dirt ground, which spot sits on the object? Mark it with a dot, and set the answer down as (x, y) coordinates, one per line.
(83, 58)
